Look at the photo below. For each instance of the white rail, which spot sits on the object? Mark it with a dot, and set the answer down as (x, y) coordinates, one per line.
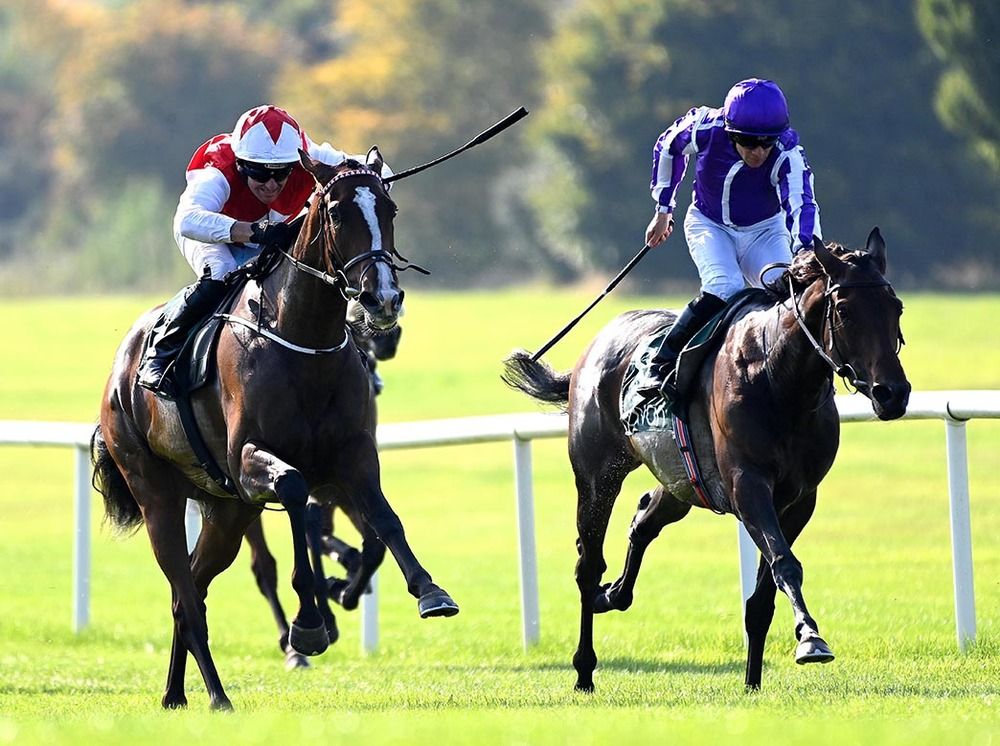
(954, 407)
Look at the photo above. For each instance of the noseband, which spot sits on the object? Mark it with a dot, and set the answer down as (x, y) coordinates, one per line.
(339, 277)
(844, 369)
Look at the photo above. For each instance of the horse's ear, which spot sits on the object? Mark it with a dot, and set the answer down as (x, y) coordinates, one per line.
(374, 159)
(827, 260)
(307, 161)
(875, 246)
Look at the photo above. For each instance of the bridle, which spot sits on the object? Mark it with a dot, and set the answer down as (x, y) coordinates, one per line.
(328, 231)
(843, 369)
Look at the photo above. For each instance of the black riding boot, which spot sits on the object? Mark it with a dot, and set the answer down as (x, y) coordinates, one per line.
(695, 315)
(180, 315)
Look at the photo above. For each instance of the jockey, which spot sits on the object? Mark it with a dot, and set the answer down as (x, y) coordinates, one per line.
(753, 203)
(242, 187)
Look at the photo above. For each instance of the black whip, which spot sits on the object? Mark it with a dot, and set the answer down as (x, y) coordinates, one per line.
(611, 286)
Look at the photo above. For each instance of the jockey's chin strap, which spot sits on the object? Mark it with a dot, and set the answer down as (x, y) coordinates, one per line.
(339, 277)
(844, 369)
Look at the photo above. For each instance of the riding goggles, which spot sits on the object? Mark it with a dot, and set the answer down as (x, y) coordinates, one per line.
(262, 173)
(754, 141)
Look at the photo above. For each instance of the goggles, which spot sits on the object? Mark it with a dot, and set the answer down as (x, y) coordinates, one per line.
(754, 141)
(262, 173)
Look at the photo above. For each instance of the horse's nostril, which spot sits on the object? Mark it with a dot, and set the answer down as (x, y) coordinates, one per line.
(397, 303)
(881, 394)
(368, 301)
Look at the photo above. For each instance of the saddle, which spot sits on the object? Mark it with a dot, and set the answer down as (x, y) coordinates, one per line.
(641, 414)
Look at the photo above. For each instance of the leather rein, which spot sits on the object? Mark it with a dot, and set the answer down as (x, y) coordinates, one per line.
(843, 369)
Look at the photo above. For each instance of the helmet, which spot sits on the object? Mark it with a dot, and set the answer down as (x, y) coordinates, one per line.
(756, 107)
(267, 134)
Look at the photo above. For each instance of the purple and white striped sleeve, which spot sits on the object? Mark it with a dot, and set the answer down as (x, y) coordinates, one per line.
(795, 191)
(670, 158)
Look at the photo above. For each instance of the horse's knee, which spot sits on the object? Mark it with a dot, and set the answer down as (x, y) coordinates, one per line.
(787, 572)
(265, 572)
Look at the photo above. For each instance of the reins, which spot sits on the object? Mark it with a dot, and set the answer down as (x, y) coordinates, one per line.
(845, 370)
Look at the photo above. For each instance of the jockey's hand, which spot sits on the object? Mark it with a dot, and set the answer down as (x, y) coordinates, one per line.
(268, 232)
(659, 229)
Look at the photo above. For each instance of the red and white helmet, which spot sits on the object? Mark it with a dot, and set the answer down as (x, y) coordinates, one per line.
(267, 134)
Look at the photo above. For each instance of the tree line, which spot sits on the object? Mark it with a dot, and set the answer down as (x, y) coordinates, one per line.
(102, 103)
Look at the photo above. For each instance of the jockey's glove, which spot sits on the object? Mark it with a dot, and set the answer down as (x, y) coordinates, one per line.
(270, 233)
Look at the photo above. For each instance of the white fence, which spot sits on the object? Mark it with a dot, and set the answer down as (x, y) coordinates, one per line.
(954, 407)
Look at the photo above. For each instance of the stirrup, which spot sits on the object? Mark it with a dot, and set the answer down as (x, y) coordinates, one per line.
(668, 386)
(163, 388)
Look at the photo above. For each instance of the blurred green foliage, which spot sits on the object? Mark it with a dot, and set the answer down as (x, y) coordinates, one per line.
(102, 104)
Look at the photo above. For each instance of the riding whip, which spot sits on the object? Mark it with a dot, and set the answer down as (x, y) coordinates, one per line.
(611, 286)
(482, 137)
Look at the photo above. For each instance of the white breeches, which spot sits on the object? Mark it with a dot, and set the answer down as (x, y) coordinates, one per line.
(730, 258)
(219, 258)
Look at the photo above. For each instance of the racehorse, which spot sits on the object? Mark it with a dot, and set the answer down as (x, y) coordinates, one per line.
(290, 414)
(763, 424)
(373, 347)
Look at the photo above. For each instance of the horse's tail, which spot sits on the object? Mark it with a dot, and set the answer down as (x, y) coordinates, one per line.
(535, 379)
(120, 506)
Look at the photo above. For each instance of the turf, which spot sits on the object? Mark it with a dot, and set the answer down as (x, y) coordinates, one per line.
(876, 557)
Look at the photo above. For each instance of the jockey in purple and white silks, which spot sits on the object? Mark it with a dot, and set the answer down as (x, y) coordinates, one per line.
(753, 203)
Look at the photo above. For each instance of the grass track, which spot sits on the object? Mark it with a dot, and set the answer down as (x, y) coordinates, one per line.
(876, 558)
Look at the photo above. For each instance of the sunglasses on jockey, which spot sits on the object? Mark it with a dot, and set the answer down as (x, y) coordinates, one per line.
(753, 141)
(262, 173)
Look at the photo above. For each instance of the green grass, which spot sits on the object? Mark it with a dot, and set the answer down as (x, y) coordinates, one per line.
(876, 558)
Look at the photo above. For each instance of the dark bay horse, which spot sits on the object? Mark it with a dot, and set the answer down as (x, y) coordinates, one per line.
(290, 414)
(374, 347)
(763, 423)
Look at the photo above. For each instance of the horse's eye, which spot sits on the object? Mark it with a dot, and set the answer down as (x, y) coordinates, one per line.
(843, 312)
(334, 213)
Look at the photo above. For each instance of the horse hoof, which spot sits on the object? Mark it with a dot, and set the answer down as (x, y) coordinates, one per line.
(308, 641)
(813, 650)
(294, 660)
(221, 704)
(436, 603)
(174, 703)
(587, 687)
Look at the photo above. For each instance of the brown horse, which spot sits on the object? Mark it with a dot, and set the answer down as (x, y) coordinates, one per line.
(290, 413)
(763, 424)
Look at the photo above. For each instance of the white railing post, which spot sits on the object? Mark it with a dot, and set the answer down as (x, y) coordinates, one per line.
(81, 541)
(961, 532)
(369, 618)
(192, 523)
(530, 623)
(748, 569)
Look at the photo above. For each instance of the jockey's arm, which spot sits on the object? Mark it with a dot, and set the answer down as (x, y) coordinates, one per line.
(198, 216)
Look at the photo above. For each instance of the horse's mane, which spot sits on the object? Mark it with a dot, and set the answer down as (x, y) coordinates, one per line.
(806, 269)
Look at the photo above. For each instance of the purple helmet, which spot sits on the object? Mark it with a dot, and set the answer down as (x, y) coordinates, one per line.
(756, 107)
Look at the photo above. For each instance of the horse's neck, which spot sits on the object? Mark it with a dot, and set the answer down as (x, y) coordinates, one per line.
(797, 371)
(305, 309)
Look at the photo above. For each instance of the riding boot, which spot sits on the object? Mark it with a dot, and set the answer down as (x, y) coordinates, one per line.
(180, 316)
(663, 367)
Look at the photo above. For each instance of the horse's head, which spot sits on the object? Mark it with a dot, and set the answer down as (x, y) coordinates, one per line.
(349, 233)
(862, 319)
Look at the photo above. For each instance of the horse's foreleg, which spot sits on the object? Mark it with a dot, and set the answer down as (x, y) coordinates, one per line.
(760, 604)
(264, 476)
(361, 480)
(656, 510)
(752, 496)
(314, 539)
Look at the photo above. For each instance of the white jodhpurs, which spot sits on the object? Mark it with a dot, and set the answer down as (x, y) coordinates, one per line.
(730, 258)
(219, 258)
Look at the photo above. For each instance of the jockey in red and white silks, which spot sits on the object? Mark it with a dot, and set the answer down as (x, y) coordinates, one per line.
(218, 193)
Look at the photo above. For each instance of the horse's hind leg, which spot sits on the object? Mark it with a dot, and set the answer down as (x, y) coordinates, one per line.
(263, 475)
(657, 509)
(760, 604)
(369, 559)
(769, 534)
(596, 493)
